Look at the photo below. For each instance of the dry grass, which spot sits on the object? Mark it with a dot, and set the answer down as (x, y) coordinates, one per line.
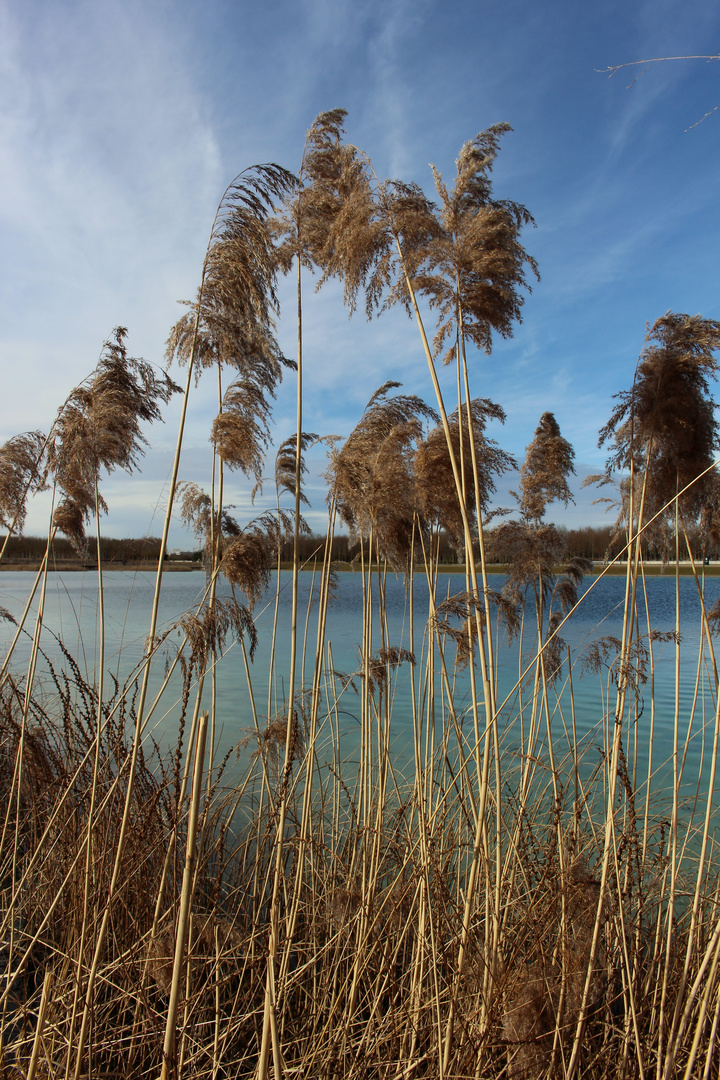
(368, 972)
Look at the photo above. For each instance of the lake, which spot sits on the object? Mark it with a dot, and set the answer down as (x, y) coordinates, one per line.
(72, 615)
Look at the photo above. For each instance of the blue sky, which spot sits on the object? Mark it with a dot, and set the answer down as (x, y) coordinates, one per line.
(122, 121)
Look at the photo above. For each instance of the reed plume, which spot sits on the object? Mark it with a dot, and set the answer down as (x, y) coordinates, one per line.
(208, 630)
(437, 496)
(275, 743)
(376, 669)
(232, 317)
(709, 520)
(372, 477)
(464, 606)
(631, 669)
(543, 477)
(535, 551)
(99, 427)
(475, 266)
(240, 432)
(286, 463)
(387, 238)
(22, 472)
(390, 227)
(664, 426)
(250, 557)
(532, 547)
(212, 528)
(195, 509)
(309, 214)
(340, 218)
(231, 322)
(69, 518)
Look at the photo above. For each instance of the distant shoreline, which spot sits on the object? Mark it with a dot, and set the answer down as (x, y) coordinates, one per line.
(73, 566)
(186, 566)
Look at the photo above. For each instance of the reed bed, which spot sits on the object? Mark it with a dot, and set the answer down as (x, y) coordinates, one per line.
(508, 904)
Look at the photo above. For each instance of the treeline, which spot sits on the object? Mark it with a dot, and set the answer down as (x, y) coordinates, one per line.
(112, 550)
(591, 542)
(595, 542)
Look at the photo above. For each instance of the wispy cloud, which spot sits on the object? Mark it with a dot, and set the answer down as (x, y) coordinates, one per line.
(104, 151)
(122, 122)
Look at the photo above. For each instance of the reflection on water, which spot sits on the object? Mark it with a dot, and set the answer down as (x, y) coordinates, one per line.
(71, 613)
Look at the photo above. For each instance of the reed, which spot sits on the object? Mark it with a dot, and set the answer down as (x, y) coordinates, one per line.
(513, 900)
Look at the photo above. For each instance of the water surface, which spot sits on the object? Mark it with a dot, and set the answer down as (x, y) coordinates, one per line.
(72, 614)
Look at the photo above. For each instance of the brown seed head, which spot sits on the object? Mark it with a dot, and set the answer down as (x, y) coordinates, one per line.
(22, 471)
(665, 425)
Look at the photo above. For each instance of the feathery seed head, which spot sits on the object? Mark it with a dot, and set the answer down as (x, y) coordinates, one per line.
(286, 463)
(69, 519)
(371, 476)
(207, 632)
(437, 495)
(99, 427)
(665, 425)
(548, 463)
(251, 556)
(22, 472)
(476, 268)
(241, 431)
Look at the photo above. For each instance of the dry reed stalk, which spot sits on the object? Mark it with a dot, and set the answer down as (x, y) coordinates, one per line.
(40, 1026)
(99, 426)
(314, 147)
(186, 898)
(236, 244)
(673, 1035)
(306, 831)
(289, 468)
(467, 283)
(93, 792)
(53, 820)
(15, 793)
(673, 446)
(92, 974)
(58, 895)
(309, 203)
(20, 624)
(492, 970)
(376, 237)
(672, 900)
(425, 913)
(490, 717)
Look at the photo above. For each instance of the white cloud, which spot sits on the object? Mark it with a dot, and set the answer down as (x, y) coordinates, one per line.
(108, 169)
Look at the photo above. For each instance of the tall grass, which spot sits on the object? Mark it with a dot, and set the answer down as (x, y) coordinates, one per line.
(511, 901)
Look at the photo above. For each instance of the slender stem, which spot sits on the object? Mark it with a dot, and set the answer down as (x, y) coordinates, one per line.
(93, 792)
(140, 709)
(270, 1013)
(168, 1065)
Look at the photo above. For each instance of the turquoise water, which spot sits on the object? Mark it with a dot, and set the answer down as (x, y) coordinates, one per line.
(71, 613)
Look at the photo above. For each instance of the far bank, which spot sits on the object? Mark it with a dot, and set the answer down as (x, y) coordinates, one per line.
(652, 568)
